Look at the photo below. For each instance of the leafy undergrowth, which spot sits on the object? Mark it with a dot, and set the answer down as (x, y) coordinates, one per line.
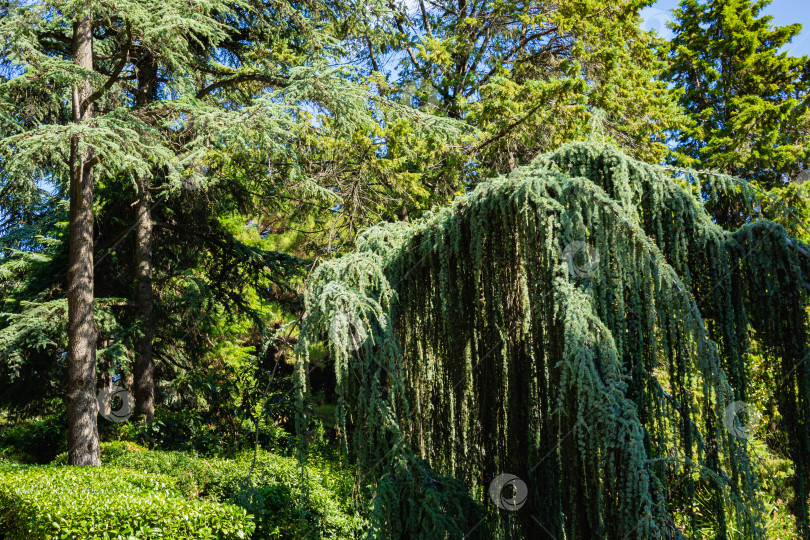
(272, 496)
(35, 440)
(45, 502)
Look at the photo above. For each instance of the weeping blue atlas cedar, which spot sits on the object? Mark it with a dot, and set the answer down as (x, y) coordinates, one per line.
(465, 347)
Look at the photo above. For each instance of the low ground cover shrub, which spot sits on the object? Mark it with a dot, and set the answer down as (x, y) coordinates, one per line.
(273, 493)
(46, 502)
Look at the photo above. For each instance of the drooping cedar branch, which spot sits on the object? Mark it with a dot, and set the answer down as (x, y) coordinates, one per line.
(275, 81)
(474, 343)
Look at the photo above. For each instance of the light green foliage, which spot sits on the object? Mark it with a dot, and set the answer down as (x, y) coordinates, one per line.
(241, 119)
(242, 101)
(271, 494)
(110, 502)
(604, 392)
(108, 450)
(528, 76)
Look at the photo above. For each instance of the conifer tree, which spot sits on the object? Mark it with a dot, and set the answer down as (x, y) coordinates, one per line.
(172, 85)
(746, 95)
(528, 74)
(581, 323)
(81, 400)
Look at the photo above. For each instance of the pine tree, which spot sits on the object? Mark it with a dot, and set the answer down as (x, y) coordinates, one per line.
(747, 97)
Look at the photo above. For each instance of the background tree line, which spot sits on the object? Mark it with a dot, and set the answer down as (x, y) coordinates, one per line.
(170, 172)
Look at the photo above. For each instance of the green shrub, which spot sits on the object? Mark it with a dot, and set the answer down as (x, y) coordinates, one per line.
(107, 450)
(12, 455)
(109, 502)
(272, 495)
(187, 430)
(36, 441)
(195, 431)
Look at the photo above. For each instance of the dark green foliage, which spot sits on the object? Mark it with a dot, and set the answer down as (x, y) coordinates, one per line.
(746, 96)
(232, 125)
(111, 502)
(752, 282)
(416, 502)
(200, 262)
(604, 392)
(40, 440)
(222, 430)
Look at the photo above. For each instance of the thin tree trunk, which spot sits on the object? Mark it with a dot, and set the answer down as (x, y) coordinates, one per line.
(144, 363)
(81, 398)
(144, 376)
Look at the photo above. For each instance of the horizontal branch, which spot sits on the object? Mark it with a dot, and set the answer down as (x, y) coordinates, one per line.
(240, 79)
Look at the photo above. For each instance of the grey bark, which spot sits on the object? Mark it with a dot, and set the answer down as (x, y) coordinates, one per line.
(81, 396)
(144, 375)
(144, 362)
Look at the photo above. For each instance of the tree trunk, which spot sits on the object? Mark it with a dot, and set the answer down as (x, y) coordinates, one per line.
(144, 363)
(81, 398)
(144, 376)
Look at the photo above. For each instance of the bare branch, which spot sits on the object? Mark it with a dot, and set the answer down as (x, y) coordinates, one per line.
(275, 81)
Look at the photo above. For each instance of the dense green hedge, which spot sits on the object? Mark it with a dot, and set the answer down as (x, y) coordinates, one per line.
(272, 495)
(108, 451)
(49, 502)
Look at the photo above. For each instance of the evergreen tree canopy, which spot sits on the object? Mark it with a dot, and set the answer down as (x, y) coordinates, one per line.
(374, 212)
(527, 75)
(480, 341)
(747, 96)
(212, 108)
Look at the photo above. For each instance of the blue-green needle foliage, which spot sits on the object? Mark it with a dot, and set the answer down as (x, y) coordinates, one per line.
(464, 341)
